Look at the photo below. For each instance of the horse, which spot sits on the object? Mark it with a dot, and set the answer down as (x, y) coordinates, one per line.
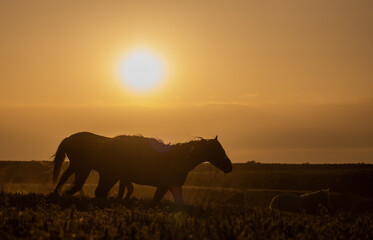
(143, 160)
(309, 203)
(79, 164)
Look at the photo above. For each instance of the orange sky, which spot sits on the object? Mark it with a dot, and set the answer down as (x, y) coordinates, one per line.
(278, 81)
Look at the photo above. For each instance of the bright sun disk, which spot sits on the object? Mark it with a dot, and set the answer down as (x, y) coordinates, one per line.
(141, 71)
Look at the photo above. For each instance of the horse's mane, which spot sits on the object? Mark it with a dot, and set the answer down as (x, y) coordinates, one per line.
(140, 138)
(159, 141)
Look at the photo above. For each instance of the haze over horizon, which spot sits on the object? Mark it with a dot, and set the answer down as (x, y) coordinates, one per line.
(288, 81)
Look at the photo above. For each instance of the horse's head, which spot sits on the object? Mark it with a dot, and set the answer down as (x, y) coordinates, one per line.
(210, 150)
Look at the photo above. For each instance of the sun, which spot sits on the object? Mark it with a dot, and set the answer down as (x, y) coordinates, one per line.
(141, 71)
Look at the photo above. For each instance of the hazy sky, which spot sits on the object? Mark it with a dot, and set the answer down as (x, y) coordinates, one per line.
(278, 81)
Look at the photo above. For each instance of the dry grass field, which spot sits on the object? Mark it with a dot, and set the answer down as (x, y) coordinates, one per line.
(226, 208)
(37, 216)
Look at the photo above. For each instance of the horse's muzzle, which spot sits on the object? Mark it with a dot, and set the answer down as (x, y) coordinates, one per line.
(228, 169)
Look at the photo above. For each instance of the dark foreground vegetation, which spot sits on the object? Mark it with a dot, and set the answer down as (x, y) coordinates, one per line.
(37, 216)
(218, 206)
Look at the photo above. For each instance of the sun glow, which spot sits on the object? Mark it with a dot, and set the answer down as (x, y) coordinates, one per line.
(141, 71)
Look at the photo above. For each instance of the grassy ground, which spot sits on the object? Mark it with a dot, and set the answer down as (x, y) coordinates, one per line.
(218, 206)
(37, 216)
(199, 195)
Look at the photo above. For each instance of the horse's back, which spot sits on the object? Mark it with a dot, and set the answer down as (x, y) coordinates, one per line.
(85, 139)
(81, 147)
(134, 152)
(84, 136)
(287, 202)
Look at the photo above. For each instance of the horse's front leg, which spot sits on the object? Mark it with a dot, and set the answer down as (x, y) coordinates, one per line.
(177, 194)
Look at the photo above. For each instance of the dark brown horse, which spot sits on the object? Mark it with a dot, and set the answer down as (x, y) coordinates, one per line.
(76, 147)
(142, 160)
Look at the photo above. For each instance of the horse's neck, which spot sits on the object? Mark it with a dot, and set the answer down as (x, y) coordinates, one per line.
(186, 162)
(192, 163)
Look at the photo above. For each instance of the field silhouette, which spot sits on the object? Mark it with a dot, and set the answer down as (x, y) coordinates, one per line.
(35, 216)
(218, 205)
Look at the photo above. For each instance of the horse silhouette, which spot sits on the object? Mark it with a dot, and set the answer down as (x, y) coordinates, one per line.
(80, 165)
(137, 159)
(309, 203)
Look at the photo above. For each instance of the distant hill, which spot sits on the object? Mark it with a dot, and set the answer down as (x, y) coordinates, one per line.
(354, 179)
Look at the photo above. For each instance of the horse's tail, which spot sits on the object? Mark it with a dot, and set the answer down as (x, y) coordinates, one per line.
(59, 157)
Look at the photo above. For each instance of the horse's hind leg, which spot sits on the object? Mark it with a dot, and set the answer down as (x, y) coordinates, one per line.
(159, 193)
(122, 187)
(68, 172)
(76, 182)
(105, 183)
(79, 181)
(130, 190)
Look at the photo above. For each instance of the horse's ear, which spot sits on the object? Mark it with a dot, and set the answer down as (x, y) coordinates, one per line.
(216, 138)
